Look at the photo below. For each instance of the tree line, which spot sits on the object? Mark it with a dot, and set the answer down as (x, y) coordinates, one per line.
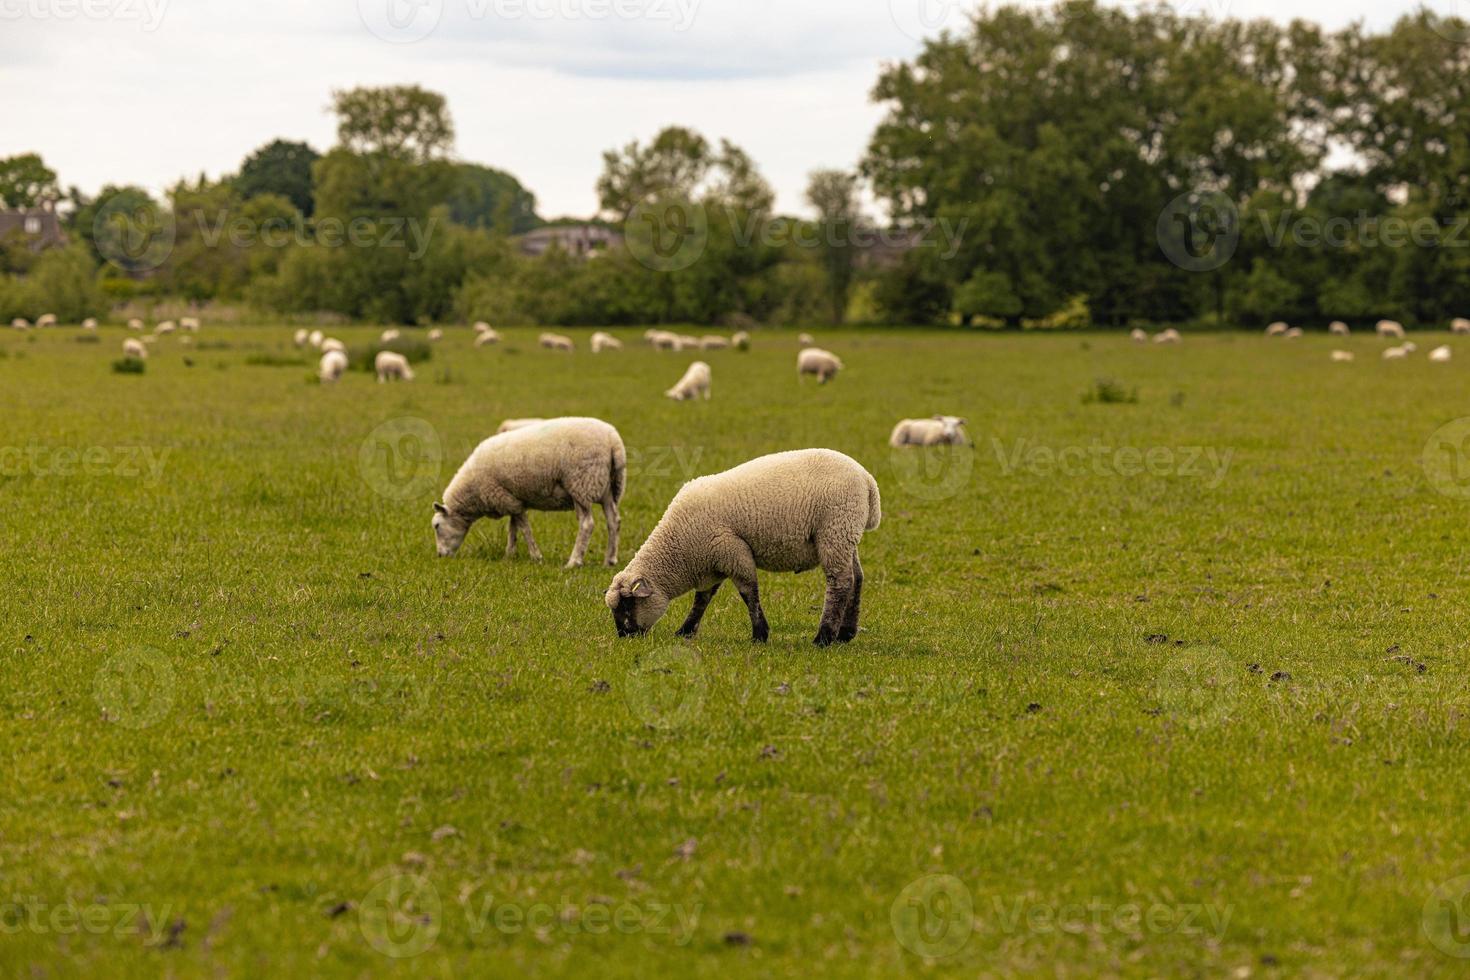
(1044, 168)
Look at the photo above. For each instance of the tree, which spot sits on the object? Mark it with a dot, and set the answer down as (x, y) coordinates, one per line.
(401, 121)
(833, 193)
(280, 167)
(26, 182)
(483, 197)
(672, 166)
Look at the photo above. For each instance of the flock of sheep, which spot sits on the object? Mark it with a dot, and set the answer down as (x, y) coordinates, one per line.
(1385, 328)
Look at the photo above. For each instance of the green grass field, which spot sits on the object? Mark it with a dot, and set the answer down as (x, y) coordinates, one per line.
(1155, 688)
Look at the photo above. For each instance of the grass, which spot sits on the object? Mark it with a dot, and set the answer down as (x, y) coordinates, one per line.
(1176, 689)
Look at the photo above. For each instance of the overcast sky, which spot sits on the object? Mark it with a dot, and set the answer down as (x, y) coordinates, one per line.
(146, 91)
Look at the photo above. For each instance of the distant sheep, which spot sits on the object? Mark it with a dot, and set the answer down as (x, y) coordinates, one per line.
(1342, 356)
(1295, 333)
(510, 425)
(561, 464)
(1170, 336)
(941, 430)
(389, 335)
(190, 324)
(694, 384)
(132, 348)
(1338, 329)
(1441, 355)
(135, 324)
(1399, 353)
(90, 323)
(332, 343)
(392, 367)
(486, 338)
(482, 327)
(1138, 335)
(49, 320)
(1390, 328)
(823, 364)
(605, 341)
(20, 323)
(806, 340)
(315, 339)
(741, 340)
(556, 341)
(663, 339)
(167, 326)
(788, 512)
(436, 335)
(1459, 325)
(300, 338)
(331, 366)
(1277, 329)
(714, 342)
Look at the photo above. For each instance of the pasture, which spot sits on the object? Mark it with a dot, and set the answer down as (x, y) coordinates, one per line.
(1173, 685)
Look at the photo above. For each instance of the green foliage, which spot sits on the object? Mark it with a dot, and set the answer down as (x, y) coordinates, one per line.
(26, 182)
(129, 365)
(283, 169)
(62, 281)
(404, 122)
(361, 357)
(1109, 391)
(1074, 314)
(483, 197)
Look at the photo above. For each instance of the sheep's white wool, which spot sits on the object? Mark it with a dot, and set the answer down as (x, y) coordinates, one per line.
(1390, 328)
(1441, 355)
(788, 512)
(558, 464)
(190, 324)
(487, 337)
(332, 343)
(1295, 333)
(90, 323)
(482, 327)
(694, 384)
(1338, 329)
(741, 340)
(1138, 335)
(1342, 356)
(941, 430)
(49, 320)
(1459, 325)
(315, 339)
(806, 340)
(331, 366)
(135, 324)
(713, 342)
(20, 323)
(132, 348)
(1396, 353)
(436, 335)
(556, 341)
(392, 367)
(389, 335)
(510, 425)
(813, 360)
(300, 338)
(605, 341)
(167, 326)
(1277, 329)
(1170, 336)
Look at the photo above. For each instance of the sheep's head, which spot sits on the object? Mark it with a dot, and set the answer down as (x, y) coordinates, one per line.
(449, 531)
(636, 605)
(954, 428)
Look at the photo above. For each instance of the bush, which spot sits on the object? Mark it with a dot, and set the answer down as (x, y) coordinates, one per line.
(1107, 391)
(129, 365)
(275, 360)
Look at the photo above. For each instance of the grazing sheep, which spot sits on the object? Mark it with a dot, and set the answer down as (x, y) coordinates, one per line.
(149, 338)
(1338, 329)
(556, 341)
(1277, 329)
(686, 342)
(1390, 328)
(510, 425)
(605, 341)
(663, 340)
(436, 335)
(561, 464)
(713, 342)
(1441, 355)
(1295, 333)
(48, 320)
(190, 324)
(1397, 353)
(392, 367)
(694, 384)
(300, 338)
(814, 360)
(135, 324)
(389, 335)
(1138, 335)
(90, 323)
(20, 323)
(332, 343)
(1342, 356)
(331, 366)
(806, 340)
(131, 348)
(482, 327)
(788, 512)
(941, 430)
(315, 339)
(1170, 336)
(167, 326)
(487, 338)
(1459, 325)
(741, 340)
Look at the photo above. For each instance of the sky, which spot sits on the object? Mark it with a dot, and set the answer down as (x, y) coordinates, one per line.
(147, 91)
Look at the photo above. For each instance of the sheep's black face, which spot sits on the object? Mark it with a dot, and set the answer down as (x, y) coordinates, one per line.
(635, 605)
(625, 618)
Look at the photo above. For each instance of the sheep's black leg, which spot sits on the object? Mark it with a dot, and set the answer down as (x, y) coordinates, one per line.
(696, 612)
(850, 618)
(750, 591)
(838, 592)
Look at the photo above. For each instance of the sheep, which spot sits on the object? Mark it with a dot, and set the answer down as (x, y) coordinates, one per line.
(1397, 353)
(436, 335)
(167, 326)
(740, 340)
(482, 327)
(1459, 325)
(510, 425)
(131, 348)
(663, 340)
(90, 323)
(332, 366)
(1277, 329)
(149, 338)
(941, 430)
(190, 324)
(713, 342)
(47, 320)
(694, 384)
(788, 512)
(1338, 329)
(605, 341)
(1170, 336)
(135, 324)
(556, 341)
(561, 464)
(814, 360)
(315, 339)
(392, 367)
(20, 323)
(300, 338)
(389, 335)
(1342, 356)
(1390, 328)
(806, 340)
(1295, 333)
(1441, 355)
(687, 342)
(1138, 335)
(487, 338)
(332, 343)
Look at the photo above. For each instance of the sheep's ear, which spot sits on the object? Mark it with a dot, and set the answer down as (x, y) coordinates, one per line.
(640, 589)
(441, 510)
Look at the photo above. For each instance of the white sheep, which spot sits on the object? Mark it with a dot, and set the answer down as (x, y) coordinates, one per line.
(1277, 329)
(1343, 356)
(694, 384)
(1459, 325)
(813, 360)
(510, 425)
(788, 512)
(663, 340)
(20, 323)
(389, 335)
(190, 324)
(90, 323)
(1390, 328)
(331, 367)
(132, 348)
(482, 327)
(1397, 353)
(605, 341)
(436, 335)
(1338, 329)
(315, 339)
(392, 366)
(556, 341)
(806, 340)
(1170, 336)
(167, 326)
(47, 320)
(561, 464)
(486, 338)
(1441, 355)
(941, 430)
(135, 324)
(332, 343)
(713, 342)
(300, 337)
(740, 340)
(1138, 335)
(1295, 333)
